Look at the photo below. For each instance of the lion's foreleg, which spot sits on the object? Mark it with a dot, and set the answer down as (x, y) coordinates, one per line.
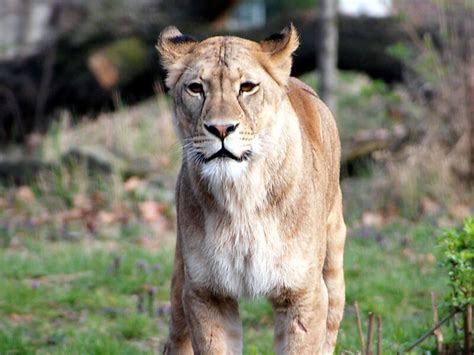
(333, 273)
(300, 321)
(179, 342)
(214, 323)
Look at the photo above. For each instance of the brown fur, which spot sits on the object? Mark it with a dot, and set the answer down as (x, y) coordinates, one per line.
(267, 222)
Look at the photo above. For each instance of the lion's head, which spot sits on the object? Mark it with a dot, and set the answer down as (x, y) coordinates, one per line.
(227, 93)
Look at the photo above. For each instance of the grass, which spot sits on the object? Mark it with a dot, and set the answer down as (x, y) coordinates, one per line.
(85, 260)
(391, 272)
(64, 297)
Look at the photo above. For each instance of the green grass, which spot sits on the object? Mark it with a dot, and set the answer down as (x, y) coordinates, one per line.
(62, 297)
(391, 272)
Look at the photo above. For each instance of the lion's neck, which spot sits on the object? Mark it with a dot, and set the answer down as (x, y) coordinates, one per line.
(243, 193)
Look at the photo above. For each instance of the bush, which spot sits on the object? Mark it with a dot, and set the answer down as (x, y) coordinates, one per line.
(458, 259)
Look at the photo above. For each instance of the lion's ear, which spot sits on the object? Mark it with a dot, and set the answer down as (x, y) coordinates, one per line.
(173, 45)
(280, 47)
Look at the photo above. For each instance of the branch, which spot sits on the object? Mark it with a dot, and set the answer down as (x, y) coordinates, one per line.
(359, 328)
(431, 331)
(369, 334)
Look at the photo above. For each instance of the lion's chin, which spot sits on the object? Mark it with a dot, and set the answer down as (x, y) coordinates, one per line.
(223, 169)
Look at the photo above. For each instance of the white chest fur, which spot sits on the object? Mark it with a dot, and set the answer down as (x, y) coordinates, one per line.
(241, 257)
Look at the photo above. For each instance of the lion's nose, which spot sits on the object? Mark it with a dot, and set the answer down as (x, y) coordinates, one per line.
(221, 130)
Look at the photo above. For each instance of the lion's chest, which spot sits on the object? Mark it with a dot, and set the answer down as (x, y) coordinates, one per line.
(246, 258)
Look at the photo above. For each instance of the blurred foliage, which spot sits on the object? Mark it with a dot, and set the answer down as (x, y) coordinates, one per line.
(400, 51)
(434, 166)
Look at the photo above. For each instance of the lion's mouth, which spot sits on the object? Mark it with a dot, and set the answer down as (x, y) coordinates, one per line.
(225, 154)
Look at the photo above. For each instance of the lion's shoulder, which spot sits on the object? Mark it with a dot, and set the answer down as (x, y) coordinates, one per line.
(306, 104)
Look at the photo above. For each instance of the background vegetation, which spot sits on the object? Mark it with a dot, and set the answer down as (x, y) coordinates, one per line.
(87, 230)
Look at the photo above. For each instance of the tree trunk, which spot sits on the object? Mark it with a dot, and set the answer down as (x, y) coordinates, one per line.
(328, 53)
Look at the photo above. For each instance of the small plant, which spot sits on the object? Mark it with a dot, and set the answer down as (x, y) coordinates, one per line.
(458, 258)
(458, 253)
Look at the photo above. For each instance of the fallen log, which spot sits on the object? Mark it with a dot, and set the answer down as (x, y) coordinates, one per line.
(360, 148)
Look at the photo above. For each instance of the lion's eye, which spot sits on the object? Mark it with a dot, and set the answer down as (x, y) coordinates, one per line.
(195, 88)
(248, 87)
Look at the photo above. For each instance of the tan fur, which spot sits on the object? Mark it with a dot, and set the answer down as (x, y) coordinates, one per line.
(267, 222)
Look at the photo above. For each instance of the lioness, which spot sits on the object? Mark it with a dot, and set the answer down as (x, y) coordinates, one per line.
(258, 197)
